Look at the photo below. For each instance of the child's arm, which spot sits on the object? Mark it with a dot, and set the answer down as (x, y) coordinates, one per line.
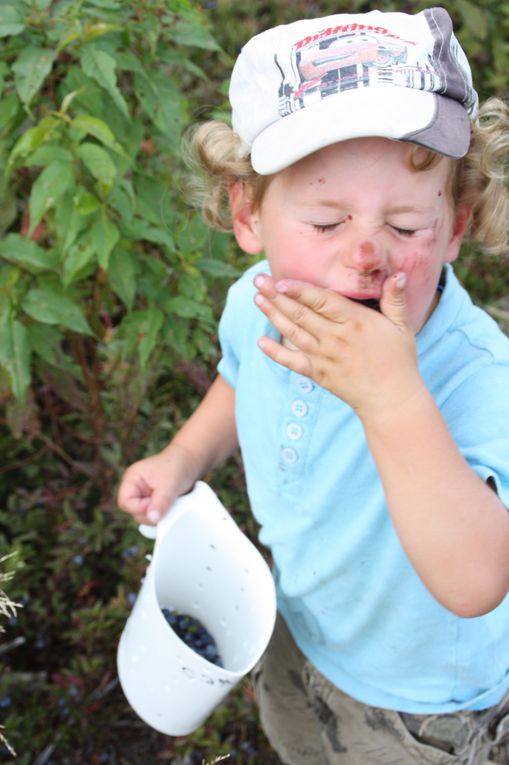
(452, 526)
(149, 487)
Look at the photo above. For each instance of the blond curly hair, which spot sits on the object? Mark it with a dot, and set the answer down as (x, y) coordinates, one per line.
(479, 179)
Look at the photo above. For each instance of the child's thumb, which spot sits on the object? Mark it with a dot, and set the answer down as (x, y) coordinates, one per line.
(393, 302)
(159, 505)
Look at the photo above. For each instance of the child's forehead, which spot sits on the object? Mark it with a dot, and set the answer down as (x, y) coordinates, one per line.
(355, 149)
(365, 166)
(357, 155)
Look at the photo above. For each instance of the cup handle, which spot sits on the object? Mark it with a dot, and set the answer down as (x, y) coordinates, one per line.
(149, 532)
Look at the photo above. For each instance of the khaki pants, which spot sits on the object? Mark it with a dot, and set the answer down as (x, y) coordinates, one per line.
(308, 721)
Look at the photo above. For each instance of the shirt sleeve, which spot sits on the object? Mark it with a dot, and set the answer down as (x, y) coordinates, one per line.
(236, 322)
(478, 417)
(228, 366)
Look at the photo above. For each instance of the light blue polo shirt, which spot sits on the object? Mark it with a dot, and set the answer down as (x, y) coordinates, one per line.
(349, 594)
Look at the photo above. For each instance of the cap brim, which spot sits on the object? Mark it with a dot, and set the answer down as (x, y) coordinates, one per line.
(424, 118)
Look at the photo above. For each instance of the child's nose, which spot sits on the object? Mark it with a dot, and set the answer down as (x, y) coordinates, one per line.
(365, 256)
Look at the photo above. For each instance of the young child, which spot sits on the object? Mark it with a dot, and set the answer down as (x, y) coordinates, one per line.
(368, 394)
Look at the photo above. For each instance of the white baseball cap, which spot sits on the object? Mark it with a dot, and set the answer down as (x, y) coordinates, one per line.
(302, 86)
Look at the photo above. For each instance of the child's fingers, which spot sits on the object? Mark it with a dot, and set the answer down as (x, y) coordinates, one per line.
(292, 320)
(307, 304)
(141, 518)
(270, 300)
(296, 361)
(135, 506)
(393, 302)
(160, 502)
(321, 302)
(134, 492)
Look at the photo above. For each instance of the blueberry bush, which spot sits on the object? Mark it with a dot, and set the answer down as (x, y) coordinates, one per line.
(110, 291)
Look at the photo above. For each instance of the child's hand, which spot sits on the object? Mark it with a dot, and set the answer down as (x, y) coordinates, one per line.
(151, 486)
(366, 358)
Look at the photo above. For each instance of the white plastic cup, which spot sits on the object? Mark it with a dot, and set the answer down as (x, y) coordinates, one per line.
(203, 566)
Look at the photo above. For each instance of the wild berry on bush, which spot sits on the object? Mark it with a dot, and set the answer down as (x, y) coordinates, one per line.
(194, 635)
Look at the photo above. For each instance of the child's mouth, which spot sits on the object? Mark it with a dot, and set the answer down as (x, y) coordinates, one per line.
(373, 303)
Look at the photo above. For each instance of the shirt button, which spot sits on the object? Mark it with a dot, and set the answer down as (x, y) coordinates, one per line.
(294, 431)
(289, 455)
(304, 385)
(299, 408)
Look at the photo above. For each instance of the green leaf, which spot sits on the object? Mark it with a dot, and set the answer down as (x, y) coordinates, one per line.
(88, 95)
(101, 67)
(4, 69)
(149, 327)
(78, 257)
(191, 283)
(474, 18)
(50, 185)
(11, 20)
(122, 199)
(15, 354)
(163, 102)
(98, 129)
(10, 277)
(30, 70)
(8, 210)
(17, 249)
(189, 309)
(9, 106)
(67, 101)
(153, 199)
(129, 62)
(44, 341)
(98, 30)
(70, 34)
(140, 229)
(176, 335)
(51, 307)
(67, 220)
(31, 140)
(122, 273)
(98, 162)
(190, 33)
(111, 5)
(218, 269)
(85, 203)
(103, 235)
(174, 58)
(49, 153)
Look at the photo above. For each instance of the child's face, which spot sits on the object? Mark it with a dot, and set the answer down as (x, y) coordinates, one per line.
(352, 214)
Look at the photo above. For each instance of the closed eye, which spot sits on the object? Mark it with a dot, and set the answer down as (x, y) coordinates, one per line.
(404, 231)
(323, 228)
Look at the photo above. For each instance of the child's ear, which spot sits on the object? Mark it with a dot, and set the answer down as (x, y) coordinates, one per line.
(245, 220)
(462, 215)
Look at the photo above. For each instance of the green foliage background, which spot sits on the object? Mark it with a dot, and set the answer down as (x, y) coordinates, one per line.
(110, 290)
